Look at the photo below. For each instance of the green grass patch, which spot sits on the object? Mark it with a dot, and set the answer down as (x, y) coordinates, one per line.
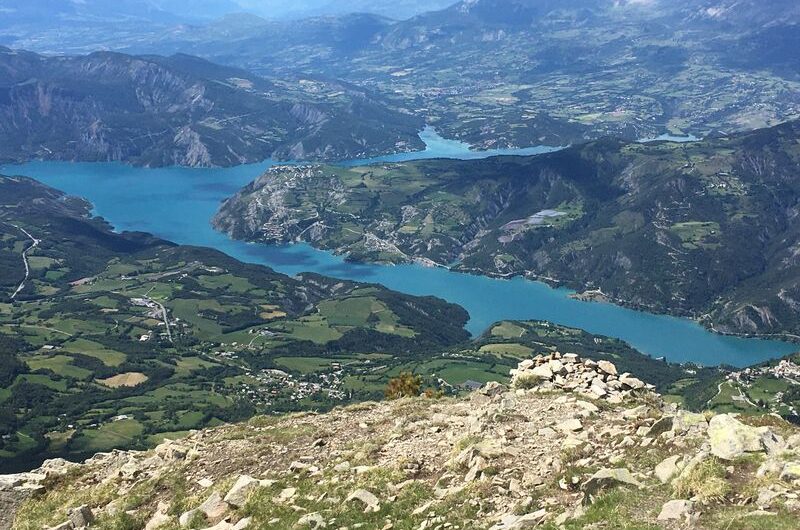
(98, 351)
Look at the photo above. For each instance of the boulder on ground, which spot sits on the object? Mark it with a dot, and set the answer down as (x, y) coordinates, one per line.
(311, 520)
(607, 367)
(170, 450)
(668, 469)
(241, 490)
(731, 438)
(213, 508)
(370, 501)
(542, 372)
(676, 510)
(160, 518)
(791, 471)
(493, 388)
(606, 479)
(81, 516)
(685, 421)
(570, 425)
(519, 522)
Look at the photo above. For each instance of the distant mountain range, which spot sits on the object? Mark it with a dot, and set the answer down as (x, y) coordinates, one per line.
(509, 73)
(52, 12)
(396, 9)
(182, 110)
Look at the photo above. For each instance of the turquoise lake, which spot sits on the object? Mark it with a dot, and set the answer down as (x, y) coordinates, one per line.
(178, 203)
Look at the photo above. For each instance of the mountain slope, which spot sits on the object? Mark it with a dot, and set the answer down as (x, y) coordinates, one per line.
(705, 229)
(182, 110)
(529, 456)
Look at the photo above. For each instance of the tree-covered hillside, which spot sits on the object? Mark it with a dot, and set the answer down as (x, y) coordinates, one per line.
(706, 229)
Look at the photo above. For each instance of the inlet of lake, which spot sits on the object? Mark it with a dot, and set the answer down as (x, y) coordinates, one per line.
(177, 204)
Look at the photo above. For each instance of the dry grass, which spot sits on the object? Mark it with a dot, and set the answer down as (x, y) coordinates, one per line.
(129, 379)
(706, 481)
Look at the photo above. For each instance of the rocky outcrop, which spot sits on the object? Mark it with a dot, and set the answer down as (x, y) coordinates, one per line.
(568, 372)
(540, 452)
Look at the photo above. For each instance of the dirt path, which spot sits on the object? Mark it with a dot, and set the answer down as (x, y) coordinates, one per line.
(34, 244)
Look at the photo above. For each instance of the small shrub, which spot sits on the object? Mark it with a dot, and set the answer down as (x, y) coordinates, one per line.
(404, 385)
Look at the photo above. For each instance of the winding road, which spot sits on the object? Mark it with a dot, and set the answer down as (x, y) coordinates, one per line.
(34, 244)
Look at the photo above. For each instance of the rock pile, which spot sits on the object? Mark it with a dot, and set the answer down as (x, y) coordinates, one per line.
(570, 373)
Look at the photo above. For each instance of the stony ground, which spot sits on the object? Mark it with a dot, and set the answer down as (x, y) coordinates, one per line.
(530, 456)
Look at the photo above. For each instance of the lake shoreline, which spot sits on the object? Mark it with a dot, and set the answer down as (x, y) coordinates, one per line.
(177, 204)
(577, 293)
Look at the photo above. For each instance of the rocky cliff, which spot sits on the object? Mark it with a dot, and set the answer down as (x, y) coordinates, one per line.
(570, 444)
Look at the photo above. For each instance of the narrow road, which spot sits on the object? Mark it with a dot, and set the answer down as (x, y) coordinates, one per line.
(34, 244)
(163, 313)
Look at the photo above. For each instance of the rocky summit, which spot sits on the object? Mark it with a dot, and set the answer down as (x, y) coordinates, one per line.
(570, 443)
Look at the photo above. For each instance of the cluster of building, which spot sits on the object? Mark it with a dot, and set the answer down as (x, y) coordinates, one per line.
(785, 369)
(270, 386)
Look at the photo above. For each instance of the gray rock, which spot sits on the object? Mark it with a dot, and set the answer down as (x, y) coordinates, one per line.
(607, 479)
(170, 451)
(631, 382)
(791, 471)
(541, 372)
(241, 490)
(676, 510)
(242, 524)
(311, 520)
(607, 367)
(557, 367)
(731, 438)
(668, 469)
(81, 516)
(520, 522)
(370, 501)
(765, 498)
(493, 388)
(160, 518)
(570, 425)
(685, 421)
(214, 507)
